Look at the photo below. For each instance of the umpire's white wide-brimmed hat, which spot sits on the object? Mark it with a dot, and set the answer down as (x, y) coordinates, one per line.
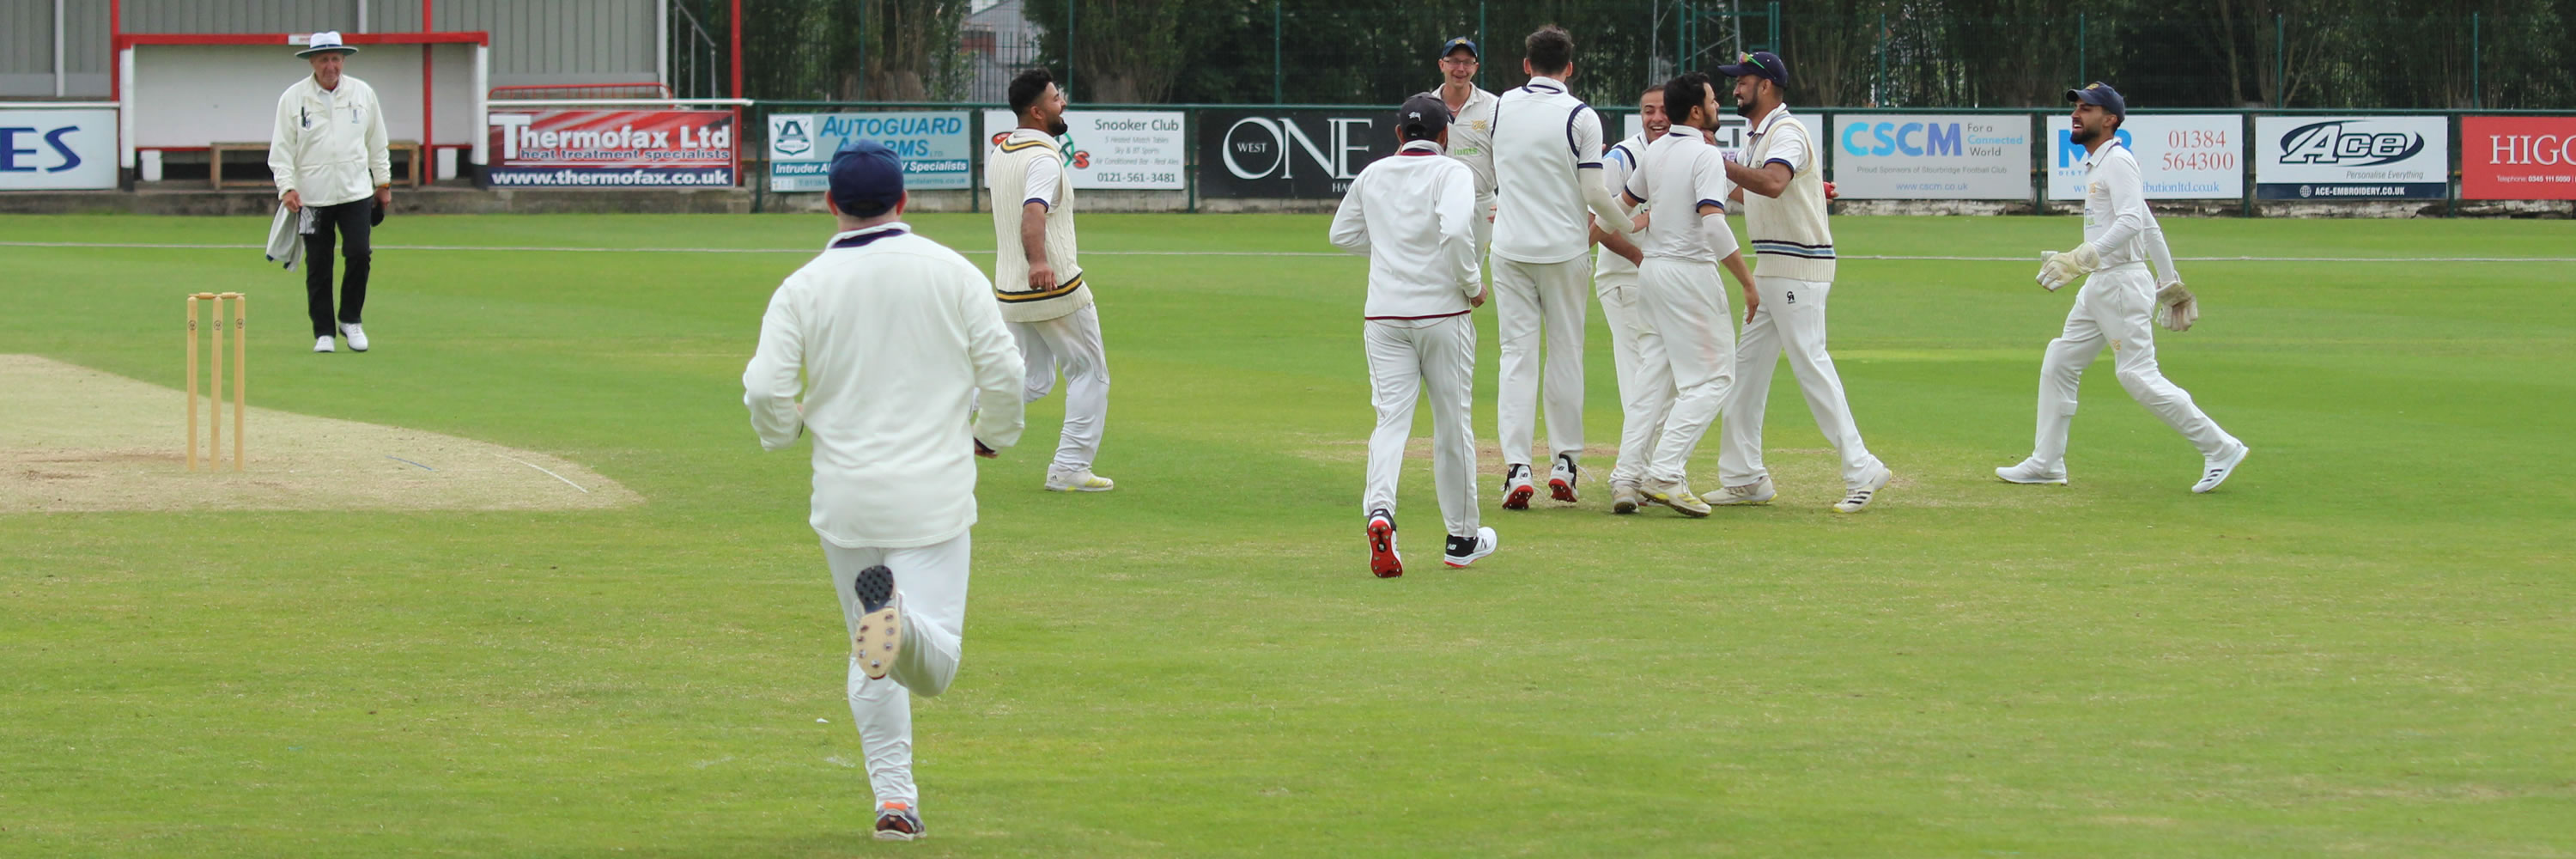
(327, 41)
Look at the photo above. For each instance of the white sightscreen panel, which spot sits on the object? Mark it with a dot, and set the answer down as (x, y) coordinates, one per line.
(195, 95)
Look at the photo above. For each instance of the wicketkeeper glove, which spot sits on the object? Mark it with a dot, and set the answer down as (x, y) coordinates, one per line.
(2060, 269)
(2176, 309)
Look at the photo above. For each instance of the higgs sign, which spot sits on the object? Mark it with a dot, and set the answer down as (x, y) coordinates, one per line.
(935, 146)
(57, 149)
(1931, 157)
(2181, 157)
(2351, 158)
(1293, 153)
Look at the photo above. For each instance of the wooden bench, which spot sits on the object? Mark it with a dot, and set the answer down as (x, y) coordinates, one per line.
(405, 154)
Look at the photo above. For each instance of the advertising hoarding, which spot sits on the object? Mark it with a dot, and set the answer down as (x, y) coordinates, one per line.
(1931, 156)
(1130, 149)
(2181, 157)
(1288, 153)
(2351, 157)
(613, 148)
(936, 147)
(2518, 157)
(57, 150)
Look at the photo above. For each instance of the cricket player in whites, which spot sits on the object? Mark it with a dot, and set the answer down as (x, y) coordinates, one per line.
(1614, 280)
(1039, 283)
(2117, 306)
(1471, 129)
(1413, 214)
(1547, 174)
(885, 334)
(1782, 175)
(1687, 357)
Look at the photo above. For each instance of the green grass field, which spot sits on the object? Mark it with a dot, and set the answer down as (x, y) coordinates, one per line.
(2363, 645)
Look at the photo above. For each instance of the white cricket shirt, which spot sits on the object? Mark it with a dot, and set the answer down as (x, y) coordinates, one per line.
(1542, 137)
(892, 333)
(1471, 137)
(1414, 214)
(2116, 218)
(1682, 173)
(1617, 164)
(328, 145)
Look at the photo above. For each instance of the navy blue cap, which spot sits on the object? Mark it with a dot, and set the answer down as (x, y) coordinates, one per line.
(867, 178)
(1423, 116)
(1763, 64)
(1453, 45)
(2099, 93)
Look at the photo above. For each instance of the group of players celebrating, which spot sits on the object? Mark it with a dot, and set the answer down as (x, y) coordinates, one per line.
(1527, 183)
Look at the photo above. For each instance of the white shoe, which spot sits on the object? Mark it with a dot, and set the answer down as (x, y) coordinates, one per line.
(2032, 471)
(323, 344)
(2215, 471)
(879, 638)
(1860, 496)
(1757, 492)
(1516, 487)
(357, 336)
(1463, 551)
(1675, 495)
(1563, 477)
(1078, 481)
(1623, 498)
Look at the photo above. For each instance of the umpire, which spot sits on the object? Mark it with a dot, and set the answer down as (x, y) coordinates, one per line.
(328, 154)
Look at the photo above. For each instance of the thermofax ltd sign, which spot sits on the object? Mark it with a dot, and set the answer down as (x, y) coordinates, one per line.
(1294, 153)
(2518, 157)
(2351, 158)
(2181, 157)
(935, 147)
(613, 148)
(57, 149)
(1932, 157)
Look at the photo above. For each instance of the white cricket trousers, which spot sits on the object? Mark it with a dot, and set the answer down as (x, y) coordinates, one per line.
(1791, 320)
(932, 581)
(1531, 301)
(1689, 362)
(2115, 307)
(1070, 342)
(1638, 426)
(1438, 359)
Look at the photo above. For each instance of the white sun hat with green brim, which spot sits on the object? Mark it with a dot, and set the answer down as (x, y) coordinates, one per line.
(327, 41)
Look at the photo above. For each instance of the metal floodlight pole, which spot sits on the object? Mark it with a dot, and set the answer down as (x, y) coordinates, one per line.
(1277, 65)
(1069, 7)
(2280, 64)
(2476, 55)
(2080, 76)
(1878, 85)
(1481, 42)
(863, 50)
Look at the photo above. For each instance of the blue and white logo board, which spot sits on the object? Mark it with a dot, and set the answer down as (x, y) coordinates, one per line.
(936, 147)
(2182, 157)
(57, 150)
(2352, 157)
(1931, 156)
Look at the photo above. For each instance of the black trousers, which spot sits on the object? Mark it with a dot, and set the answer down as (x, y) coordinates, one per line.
(349, 222)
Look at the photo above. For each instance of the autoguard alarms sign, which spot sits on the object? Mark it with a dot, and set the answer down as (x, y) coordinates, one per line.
(2518, 157)
(613, 148)
(2351, 158)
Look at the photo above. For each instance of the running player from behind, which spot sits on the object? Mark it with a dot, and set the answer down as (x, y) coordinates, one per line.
(1411, 213)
